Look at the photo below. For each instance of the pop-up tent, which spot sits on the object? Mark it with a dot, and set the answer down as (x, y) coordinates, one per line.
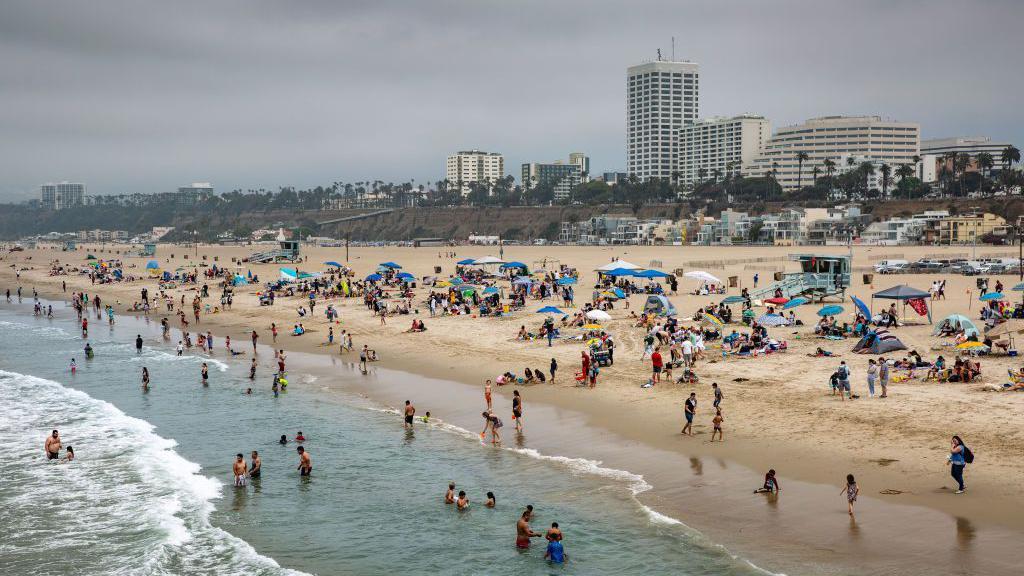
(617, 264)
(659, 305)
(878, 342)
(957, 321)
(907, 295)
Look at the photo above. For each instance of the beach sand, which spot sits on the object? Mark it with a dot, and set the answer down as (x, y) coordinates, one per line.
(778, 408)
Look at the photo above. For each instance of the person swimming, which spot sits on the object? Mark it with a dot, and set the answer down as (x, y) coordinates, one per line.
(283, 440)
(491, 501)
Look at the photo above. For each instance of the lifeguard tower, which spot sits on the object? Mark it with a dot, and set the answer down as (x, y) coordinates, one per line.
(69, 246)
(820, 276)
(288, 251)
(149, 249)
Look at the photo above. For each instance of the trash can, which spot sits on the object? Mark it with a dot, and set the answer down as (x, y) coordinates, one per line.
(734, 281)
(869, 278)
(437, 269)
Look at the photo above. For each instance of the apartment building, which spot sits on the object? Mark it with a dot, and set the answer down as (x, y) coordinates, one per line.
(717, 147)
(62, 195)
(661, 97)
(470, 166)
(969, 228)
(830, 138)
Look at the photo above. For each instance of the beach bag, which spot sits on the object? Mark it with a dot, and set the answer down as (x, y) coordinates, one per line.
(968, 455)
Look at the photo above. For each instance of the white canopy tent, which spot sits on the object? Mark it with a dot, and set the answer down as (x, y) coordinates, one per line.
(618, 264)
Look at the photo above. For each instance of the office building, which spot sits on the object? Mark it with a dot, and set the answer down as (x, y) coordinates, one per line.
(62, 195)
(717, 147)
(471, 166)
(869, 138)
(971, 145)
(581, 161)
(661, 97)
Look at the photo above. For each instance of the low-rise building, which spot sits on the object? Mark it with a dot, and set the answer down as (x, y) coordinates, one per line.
(969, 228)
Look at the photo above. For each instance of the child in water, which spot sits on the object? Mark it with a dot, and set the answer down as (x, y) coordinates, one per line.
(74, 366)
(851, 490)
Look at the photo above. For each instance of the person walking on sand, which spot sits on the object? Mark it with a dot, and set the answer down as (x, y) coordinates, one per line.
(487, 394)
(718, 394)
(851, 490)
(844, 380)
(273, 332)
(517, 410)
(553, 369)
(410, 413)
(239, 469)
(363, 356)
(656, 365)
(689, 409)
(959, 456)
(716, 422)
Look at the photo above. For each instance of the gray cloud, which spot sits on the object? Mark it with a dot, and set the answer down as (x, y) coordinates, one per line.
(145, 96)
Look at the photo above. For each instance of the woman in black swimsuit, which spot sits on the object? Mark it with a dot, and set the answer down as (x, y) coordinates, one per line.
(517, 410)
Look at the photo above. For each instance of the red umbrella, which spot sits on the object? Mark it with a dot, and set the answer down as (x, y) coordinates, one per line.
(777, 301)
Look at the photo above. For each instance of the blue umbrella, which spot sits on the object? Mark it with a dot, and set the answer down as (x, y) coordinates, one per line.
(798, 301)
(830, 310)
(374, 277)
(862, 307)
(405, 276)
(333, 263)
(152, 265)
(620, 272)
(523, 280)
(549, 310)
(391, 265)
(618, 292)
(466, 262)
(490, 290)
(991, 296)
(733, 299)
(772, 320)
(508, 265)
(565, 281)
(456, 281)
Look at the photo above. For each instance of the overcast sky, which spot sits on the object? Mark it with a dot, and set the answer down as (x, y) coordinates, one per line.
(143, 96)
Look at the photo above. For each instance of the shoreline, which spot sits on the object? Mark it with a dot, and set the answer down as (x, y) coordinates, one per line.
(650, 421)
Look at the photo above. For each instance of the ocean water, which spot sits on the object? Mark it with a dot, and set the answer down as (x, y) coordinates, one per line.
(150, 491)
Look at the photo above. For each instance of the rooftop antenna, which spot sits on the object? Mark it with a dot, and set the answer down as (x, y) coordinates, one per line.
(673, 48)
(659, 54)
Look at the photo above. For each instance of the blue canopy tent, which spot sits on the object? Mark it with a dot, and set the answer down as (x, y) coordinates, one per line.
(391, 265)
(550, 310)
(333, 264)
(374, 278)
(733, 299)
(465, 262)
(510, 265)
(565, 281)
(652, 274)
(616, 272)
(405, 276)
(152, 265)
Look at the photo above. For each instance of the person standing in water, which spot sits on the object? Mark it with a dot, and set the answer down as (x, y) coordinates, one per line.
(52, 446)
(517, 410)
(255, 337)
(252, 370)
(239, 469)
(255, 465)
(449, 496)
(523, 531)
(205, 374)
(305, 463)
(487, 394)
(138, 343)
(851, 490)
(145, 378)
(74, 366)
(410, 413)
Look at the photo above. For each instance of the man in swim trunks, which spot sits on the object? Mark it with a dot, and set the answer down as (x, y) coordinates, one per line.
(52, 446)
(523, 531)
(305, 464)
(239, 469)
(410, 412)
(690, 409)
(449, 496)
(255, 465)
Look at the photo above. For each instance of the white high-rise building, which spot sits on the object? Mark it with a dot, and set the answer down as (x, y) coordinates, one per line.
(867, 138)
(62, 195)
(469, 166)
(720, 145)
(972, 145)
(581, 161)
(661, 97)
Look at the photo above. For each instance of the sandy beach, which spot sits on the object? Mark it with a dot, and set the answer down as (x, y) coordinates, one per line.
(778, 408)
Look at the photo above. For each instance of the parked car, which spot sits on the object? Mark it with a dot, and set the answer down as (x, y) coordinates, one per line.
(889, 266)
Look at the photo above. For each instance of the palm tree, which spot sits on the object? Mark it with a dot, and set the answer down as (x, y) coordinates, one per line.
(1009, 156)
(716, 174)
(886, 172)
(830, 169)
(815, 172)
(961, 162)
(949, 165)
(904, 172)
(800, 157)
(984, 162)
(866, 169)
(916, 160)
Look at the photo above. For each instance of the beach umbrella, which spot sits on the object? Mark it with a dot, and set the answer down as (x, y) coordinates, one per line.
(594, 342)
(617, 264)
(616, 272)
(443, 284)
(565, 281)
(549, 310)
(702, 276)
(777, 301)
(405, 276)
(798, 301)
(610, 295)
(991, 296)
(374, 278)
(618, 292)
(333, 263)
(391, 265)
(490, 290)
(733, 299)
(152, 265)
(592, 326)
(712, 319)
(970, 345)
(830, 310)
(456, 280)
(772, 320)
(509, 265)
(465, 262)
(488, 260)
(861, 306)
(1001, 329)
(521, 280)
(598, 315)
